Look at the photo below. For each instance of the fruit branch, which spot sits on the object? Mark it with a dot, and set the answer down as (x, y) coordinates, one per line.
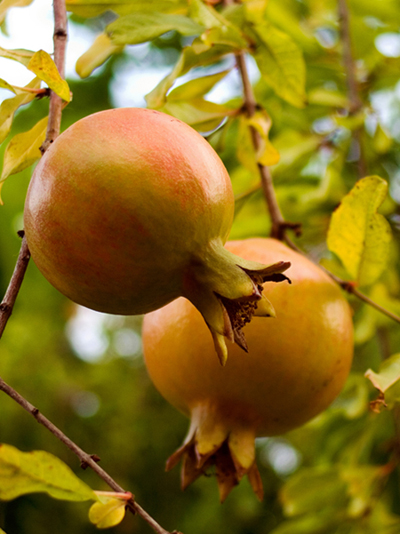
(87, 460)
(351, 80)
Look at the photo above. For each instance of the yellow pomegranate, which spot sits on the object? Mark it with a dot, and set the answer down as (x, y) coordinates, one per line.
(296, 366)
(130, 209)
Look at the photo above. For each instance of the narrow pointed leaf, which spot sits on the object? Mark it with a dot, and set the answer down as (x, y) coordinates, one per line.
(5, 5)
(23, 150)
(196, 88)
(107, 513)
(202, 115)
(141, 27)
(267, 154)
(45, 69)
(98, 53)
(281, 63)
(359, 235)
(8, 108)
(22, 56)
(38, 471)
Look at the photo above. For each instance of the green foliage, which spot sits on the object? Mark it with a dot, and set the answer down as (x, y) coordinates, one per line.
(315, 141)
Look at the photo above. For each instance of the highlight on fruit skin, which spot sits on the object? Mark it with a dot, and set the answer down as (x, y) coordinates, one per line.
(296, 366)
(129, 209)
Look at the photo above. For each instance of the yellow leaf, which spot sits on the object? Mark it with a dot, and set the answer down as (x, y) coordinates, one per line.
(8, 107)
(23, 150)
(98, 53)
(45, 68)
(267, 154)
(20, 55)
(5, 5)
(359, 235)
(108, 512)
(38, 471)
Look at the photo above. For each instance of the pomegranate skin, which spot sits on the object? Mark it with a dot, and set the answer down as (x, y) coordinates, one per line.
(297, 364)
(129, 209)
(112, 201)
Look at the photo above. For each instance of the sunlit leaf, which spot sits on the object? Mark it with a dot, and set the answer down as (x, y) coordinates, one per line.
(8, 107)
(281, 63)
(326, 97)
(107, 512)
(267, 154)
(196, 88)
(202, 115)
(382, 140)
(5, 5)
(387, 379)
(218, 29)
(38, 471)
(93, 8)
(23, 150)
(359, 235)
(20, 55)
(255, 9)
(101, 49)
(6, 85)
(141, 27)
(187, 60)
(44, 67)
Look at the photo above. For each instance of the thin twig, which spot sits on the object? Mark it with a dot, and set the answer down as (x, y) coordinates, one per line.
(351, 80)
(7, 305)
(86, 459)
(60, 43)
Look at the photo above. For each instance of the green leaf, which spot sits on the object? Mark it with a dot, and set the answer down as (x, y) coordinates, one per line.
(38, 471)
(359, 235)
(20, 55)
(327, 97)
(23, 150)
(5, 5)
(8, 108)
(141, 27)
(96, 55)
(281, 63)
(196, 88)
(202, 115)
(44, 67)
(108, 512)
(218, 29)
(387, 380)
(187, 60)
(255, 10)
(310, 489)
(93, 8)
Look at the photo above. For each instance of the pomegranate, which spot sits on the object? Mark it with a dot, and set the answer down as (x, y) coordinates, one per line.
(296, 366)
(130, 209)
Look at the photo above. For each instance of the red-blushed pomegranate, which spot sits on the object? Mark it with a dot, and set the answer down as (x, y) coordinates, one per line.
(129, 209)
(296, 366)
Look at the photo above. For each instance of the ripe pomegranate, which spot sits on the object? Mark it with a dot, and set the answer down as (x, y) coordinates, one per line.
(130, 209)
(297, 364)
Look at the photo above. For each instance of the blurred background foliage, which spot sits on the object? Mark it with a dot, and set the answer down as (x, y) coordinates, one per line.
(84, 370)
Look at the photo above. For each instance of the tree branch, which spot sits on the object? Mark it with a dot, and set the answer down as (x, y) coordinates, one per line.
(351, 80)
(60, 43)
(86, 459)
(279, 225)
(7, 305)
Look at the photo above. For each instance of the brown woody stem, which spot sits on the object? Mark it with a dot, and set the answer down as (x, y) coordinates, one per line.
(87, 460)
(7, 305)
(351, 79)
(279, 225)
